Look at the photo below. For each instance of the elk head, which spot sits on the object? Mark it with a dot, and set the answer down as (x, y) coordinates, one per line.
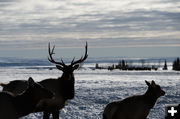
(67, 77)
(37, 91)
(155, 89)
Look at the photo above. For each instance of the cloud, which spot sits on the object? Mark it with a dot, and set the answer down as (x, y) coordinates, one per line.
(68, 23)
(6, 0)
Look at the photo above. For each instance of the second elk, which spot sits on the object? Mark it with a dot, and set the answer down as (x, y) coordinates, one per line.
(63, 87)
(134, 107)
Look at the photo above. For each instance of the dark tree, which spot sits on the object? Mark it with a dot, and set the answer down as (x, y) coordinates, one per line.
(176, 65)
(120, 64)
(165, 65)
(123, 63)
(97, 66)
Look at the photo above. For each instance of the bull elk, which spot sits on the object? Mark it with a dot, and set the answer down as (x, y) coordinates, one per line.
(63, 86)
(134, 107)
(14, 107)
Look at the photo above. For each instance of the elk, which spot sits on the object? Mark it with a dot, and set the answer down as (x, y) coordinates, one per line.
(134, 107)
(14, 107)
(63, 86)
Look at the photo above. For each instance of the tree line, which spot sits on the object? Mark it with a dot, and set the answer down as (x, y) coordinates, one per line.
(128, 65)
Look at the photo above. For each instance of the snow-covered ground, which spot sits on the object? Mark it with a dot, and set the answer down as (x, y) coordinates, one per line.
(96, 88)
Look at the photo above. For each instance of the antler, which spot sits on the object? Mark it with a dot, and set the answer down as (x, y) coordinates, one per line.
(82, 58)
(50, 58)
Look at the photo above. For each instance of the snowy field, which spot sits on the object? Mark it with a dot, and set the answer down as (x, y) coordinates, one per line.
(96, 88)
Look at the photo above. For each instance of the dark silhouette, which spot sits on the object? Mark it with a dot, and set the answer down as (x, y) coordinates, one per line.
(111, 67)
(165, 65)
(134, 107)
(14, 107)
(123, 64)
(97, 66)
(63, 87)
(127, 66)
(176, 65)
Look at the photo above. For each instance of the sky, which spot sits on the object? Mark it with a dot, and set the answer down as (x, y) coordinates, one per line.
(130, 28)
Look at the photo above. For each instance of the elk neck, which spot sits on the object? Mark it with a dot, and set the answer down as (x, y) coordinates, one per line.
(67, 82)
(150, 98)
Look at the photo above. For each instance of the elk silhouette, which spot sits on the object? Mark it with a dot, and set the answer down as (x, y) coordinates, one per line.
(134, 107)
(63, 87)
(14, 107)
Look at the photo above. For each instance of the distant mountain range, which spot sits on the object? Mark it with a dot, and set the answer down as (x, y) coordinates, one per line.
(5, 62)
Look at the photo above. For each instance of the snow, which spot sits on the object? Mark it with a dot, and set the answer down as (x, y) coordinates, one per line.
(94, 89)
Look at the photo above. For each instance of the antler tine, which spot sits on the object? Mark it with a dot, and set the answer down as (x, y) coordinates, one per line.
(82, 58)
(62, 62)
(50, 58)
(73, 60)
(53, 50)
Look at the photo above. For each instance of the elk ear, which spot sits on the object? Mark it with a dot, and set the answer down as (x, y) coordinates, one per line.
(76, 67)
(31, 82)
(59, 67)
(153, 83)
(147, 83)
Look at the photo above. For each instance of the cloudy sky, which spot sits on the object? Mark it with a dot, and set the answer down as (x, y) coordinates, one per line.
(111, 27)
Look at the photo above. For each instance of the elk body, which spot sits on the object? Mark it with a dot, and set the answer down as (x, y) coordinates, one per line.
(134, 107)
(63, 87)
(14, 107)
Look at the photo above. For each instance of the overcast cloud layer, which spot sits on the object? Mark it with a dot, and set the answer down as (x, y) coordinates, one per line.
(103, 23)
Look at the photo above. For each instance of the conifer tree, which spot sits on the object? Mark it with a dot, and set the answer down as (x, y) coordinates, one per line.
(176, 65)
(165, 65)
